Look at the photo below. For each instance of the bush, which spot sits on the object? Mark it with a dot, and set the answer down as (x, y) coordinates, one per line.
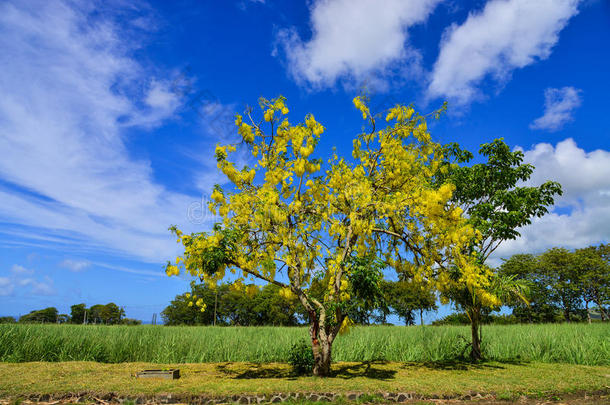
(458, 318)
(300, 357)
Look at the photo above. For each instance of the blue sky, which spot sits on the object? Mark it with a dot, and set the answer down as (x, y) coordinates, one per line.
(110, 112)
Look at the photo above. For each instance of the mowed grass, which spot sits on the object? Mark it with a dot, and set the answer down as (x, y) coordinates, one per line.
(453, 379)
(553, 343)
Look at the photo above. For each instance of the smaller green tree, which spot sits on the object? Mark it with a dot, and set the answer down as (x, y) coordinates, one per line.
(497, 207)
(506, 289)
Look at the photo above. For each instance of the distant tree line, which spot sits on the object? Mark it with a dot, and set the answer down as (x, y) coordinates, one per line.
(563, 285)
(258, 306)
(109, 314)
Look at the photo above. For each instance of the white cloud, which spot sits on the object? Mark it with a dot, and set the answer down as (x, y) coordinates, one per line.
(584, 215)
(38, 287)
(504, 36)
(17, 269)
(68, 99)
(6, 287)
(353, 38)
(21, 280)
(161, 103)
(75, 265)
(559, 105)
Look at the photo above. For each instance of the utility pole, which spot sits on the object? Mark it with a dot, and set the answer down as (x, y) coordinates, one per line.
(85, 318)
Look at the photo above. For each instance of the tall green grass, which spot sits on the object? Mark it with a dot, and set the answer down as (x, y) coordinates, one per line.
(553, 343)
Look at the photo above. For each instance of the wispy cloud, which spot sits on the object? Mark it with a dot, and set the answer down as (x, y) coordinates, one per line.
(559, 106)
(75, 265)
(37, 287)
(6, 287)
(20, 270)
(354, 39)
(492, 43)
(71, 91)
(23, 280)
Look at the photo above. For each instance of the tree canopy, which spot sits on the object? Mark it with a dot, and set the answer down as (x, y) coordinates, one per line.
(288, 223)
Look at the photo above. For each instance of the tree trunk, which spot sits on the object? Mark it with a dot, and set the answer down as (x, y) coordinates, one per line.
(566, 315)
(321, 358)
(475, 351)
(587, 309)
(320, 345)
(602, 313)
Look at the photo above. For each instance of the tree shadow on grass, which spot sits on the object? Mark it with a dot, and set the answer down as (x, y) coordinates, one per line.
(343, 371)
(256, 370)
(462, 364)
(365, 369)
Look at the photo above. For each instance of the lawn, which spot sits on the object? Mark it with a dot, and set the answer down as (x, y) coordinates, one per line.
(431, 380)
(536, 361)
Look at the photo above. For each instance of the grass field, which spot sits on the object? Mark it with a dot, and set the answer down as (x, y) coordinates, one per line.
(554, 343)
(502, 380)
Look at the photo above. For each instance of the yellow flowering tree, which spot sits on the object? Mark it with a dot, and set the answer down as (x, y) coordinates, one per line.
(288, 222)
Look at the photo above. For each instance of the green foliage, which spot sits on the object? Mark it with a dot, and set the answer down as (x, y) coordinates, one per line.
(372, 301)
(109, 314)
(593, 266)
(212, 258)
(63, 318)
(131, 322)
(77, 313)
(558, 270)
(233, 307)
(7, 319)
(551, 343)
(460, 318)
(456, 318)
(47, 315)
(406, 297)
(561, 282)
(497, 207)
(488, 191)
(300, 357)
(541, 309)
(365, 277)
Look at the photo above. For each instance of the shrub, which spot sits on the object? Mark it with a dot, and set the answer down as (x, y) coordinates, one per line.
(300, 357)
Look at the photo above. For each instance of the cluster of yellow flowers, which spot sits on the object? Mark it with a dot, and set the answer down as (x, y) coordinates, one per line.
(361, 106)
(287, 293)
